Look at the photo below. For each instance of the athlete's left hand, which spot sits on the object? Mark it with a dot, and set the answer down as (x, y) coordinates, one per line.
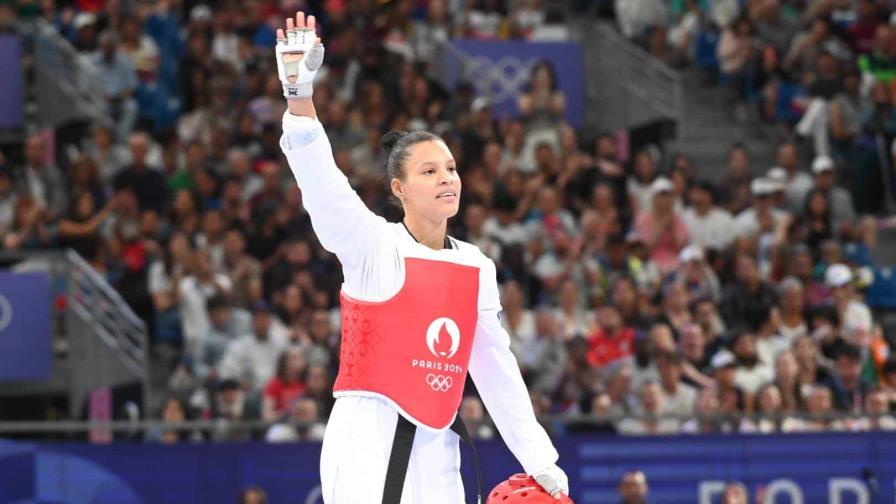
(553, 480)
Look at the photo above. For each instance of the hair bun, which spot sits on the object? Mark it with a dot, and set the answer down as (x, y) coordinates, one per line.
(391, 138)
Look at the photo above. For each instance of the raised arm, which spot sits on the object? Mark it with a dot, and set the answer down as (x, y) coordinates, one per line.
(343, 224)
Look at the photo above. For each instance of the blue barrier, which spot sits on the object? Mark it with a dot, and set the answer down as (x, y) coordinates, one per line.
(11, 85)
(805, 468)
(26, 348)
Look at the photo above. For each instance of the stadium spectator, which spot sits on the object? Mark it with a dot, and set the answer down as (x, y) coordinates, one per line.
(544, 359)
(253, 495)
(231, 406)
(119, 81)
(732, 399)
(194, 291)
(651, 407)
(787, 382)
(749, 297)
(751, 373)
(42, 180)
(820, 412)
(571, 315)
(708, 225)
(633, 488)
(174, 411)
(662, 228)
(676, 312)
(302, 423)
(678, 397)
(734, 493)
(841, 208)
(768, 420)
(696, 359)
(286, 385)
(708, 418)
(611, 341)
(252, 358)
(877, 417)
(848, 388)
(516, 319)
(473, 414)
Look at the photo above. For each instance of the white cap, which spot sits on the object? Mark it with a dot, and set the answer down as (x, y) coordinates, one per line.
(777, 176)
(822, 164)
(480, 103)
(201, 12)
(84, 19)
(661, 184)
(722, 359)
(692, 252)
(837, 275)
(762, 186)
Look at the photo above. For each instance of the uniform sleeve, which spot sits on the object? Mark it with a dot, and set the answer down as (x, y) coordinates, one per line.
(341, 221)
(497, 377)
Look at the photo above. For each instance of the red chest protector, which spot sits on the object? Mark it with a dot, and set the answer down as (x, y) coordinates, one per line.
(413, 348)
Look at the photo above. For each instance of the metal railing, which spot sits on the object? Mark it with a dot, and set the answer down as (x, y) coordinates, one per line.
(111, 318)
(68, 84)
(625, 85)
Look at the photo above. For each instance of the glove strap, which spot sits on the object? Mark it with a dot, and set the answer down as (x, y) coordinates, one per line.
(298, 90)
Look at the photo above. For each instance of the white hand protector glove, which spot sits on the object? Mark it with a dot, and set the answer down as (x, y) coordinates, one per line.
(553, 480)
(299, 41)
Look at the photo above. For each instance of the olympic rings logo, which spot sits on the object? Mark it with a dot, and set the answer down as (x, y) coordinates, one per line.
(502, 79)
(439, 382)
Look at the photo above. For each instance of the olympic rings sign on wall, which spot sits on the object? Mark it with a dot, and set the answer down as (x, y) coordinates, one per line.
(500, 80)
(439, 383)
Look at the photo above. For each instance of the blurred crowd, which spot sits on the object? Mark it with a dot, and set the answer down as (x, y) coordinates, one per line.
(635, 293)
(820, 70)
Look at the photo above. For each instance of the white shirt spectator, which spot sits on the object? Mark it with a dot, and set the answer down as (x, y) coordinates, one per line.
(226, 47)
(252, 361)
(715, 230)
(857, 318)
(681, 402)
(158, 280)
(795, 190)
(521, 335)
(579, 323)
(513, 233)
(193, 315)
(792, 333)
(639, 193)
(768, 348)
(751, 379)
(747, 223)
(635, 16)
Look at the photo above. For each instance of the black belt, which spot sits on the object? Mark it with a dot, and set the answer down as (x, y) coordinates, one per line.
(401, 457)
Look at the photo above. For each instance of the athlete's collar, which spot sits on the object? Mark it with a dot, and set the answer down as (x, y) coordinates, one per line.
(449, 244)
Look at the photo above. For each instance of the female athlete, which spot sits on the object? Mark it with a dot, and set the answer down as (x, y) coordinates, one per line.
(419, 310)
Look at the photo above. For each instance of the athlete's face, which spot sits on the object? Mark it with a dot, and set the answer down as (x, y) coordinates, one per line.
(431, 186)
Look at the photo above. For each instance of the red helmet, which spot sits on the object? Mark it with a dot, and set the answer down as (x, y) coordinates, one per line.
(522, 489)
